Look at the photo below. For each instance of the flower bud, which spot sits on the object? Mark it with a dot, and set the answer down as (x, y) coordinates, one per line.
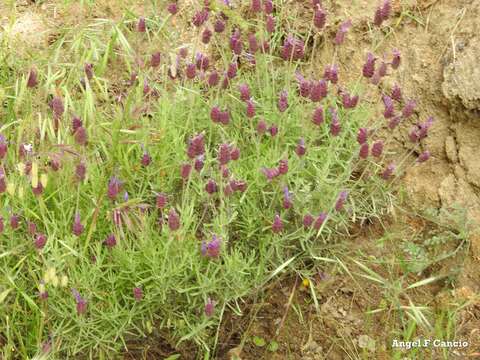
(40, 241)
(319, 17)
(342, 197)
(340, 36)
(270, 24)
(369, 66)
(300, 150)
(219, 26)
(283, 101)
(213, 78)
(77, 227)
(396, 59)
(250, 112)
(209, 307)
(283, 166)
(388, 172)
(137, 293)
(277, 225)
(172, 8)
(114, 187)
(307, 220)
(423, 156)
(363, 153)
(32, 78)
(319, 221)
(318, 117)
(173, 220)
(141, 26)
(377, 148)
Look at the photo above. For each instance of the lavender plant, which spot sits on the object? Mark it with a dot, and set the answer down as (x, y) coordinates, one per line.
(252, 159)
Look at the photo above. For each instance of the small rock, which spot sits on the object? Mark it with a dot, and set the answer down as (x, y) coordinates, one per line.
(451, 149)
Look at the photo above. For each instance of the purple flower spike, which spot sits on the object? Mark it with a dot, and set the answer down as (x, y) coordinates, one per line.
(331, 73)
(270, 24)
(363, 153)
(215, 114)
(244, 92)
(396, 59)
(273, 130)
(386, 9)
(423, 156)
(211, 187)
(77, 227)
(88, 69)
(14, 221)
(425, 127)
(369, 66)
(219, 26)
(81, 136)
(172, 8)
(3, 147)
(377, 148)
(212, 248)
(173, 220)
(40, 241)
(114, 187)
(268, 6)
(293, 48)
(389, 170)
(224, 154)
(3, 184)
(57, 107)
(304, 86)
(141, 26)
(146, 159)
(319, 221)
(340, 36)
(341, 200)
(185, 171)
(235, 154)
(81, 171)
(110, 241)
(155, 59)
(32, 78)
(335, 126)
(270, 174)
(261, 127)
(191, 71)
(199, 163)
(301, 149)
(277, 225)
(319, 17)
(389, 107)
(283, 101)
(76, 124)
(137, 293)
(318, 117)
(396, 93)
(307, 220)
(162, 200)
(209, 307)
(382, 70)
(252, 43)
(393, 123)
(256, 6)
(378, 17)
(213, 78)
(348, 101)
(287, 198)
(81, 302)
(283, 166)
(319, 90)
(200, 17)
(409, 108)
(206, 36)
(232, 70)
(250, 111)
(225, 117)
